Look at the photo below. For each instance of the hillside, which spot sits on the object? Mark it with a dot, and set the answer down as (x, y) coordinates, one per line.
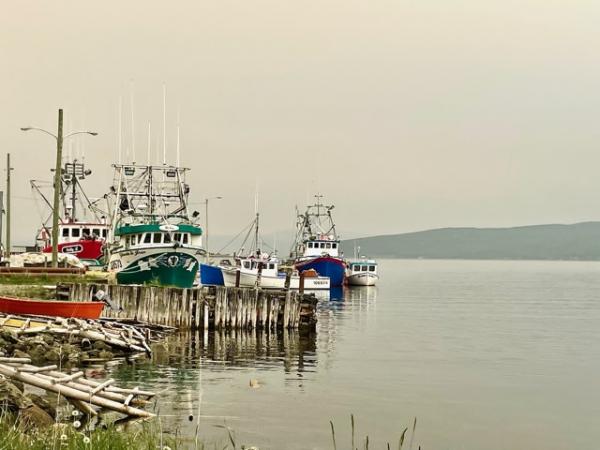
(576, 242)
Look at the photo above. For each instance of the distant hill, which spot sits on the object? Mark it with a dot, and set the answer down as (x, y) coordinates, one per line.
(579, 241)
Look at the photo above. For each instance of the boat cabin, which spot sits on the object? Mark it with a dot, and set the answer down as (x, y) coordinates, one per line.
(144, 236)
(270, 267)
(362, 267)
(73, 232)
(318, 247)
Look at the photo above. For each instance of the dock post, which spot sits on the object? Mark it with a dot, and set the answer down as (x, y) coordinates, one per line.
(288, 280)
(237, 279)
(205, 305)
(301, 283)
(258, 277)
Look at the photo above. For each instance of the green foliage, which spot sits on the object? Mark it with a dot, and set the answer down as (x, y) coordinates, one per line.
(36, 280)
(67, 437)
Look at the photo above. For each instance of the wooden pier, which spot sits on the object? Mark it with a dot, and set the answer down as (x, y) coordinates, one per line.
(203, 308)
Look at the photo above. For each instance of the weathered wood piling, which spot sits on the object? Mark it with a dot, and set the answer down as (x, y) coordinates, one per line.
(215, 307)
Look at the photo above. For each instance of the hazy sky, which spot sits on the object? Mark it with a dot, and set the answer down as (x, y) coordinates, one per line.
(405, 114)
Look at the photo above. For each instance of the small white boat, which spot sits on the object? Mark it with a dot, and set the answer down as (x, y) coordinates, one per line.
(270, 277)
(362, 272)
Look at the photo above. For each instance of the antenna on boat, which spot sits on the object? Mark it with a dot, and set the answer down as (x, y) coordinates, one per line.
(149, 142)
(132, 121)
(120, 143)
(178, 113)
(257, 217)
(164, 124)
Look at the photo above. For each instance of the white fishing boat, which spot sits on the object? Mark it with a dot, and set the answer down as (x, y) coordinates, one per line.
(362, 272)
(264, 273)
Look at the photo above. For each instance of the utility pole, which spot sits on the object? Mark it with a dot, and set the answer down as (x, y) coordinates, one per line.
(8, 170)
(206, 223)
(206, 230)
(57, 178)
(57, 189)
(1, 212)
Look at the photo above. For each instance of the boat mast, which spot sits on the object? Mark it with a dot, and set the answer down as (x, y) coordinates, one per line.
(256, 220)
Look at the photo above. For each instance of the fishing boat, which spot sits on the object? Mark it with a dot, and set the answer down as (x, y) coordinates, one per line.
(82, 230)
(80, 310)
(211, 271)
(362, 272)
(264, 273)
(155, 238)
(317, 245)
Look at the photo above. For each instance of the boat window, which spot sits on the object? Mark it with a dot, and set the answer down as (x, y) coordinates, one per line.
(271, 266)
(126, 241)
(185, 238)
(310, 245)
(333, 245)
(328, 245)
(86, 232)
(104, 233)
(371, 268)
(65, 232)
(177, 237)
(147, 238)
(365, 268)
(357, 268)
(156, 238)
(75, 232)
(246, 265)
(95, 232)
(167, 238)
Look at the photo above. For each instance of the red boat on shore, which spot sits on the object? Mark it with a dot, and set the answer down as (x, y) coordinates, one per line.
(80, 310)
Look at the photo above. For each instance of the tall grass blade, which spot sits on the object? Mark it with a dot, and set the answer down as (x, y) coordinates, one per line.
(352, 422)
(402, 436)
(412, 436)
(333, 435)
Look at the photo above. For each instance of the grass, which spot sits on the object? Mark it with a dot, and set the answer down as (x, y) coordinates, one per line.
(365, 444)
(66, 437)
(41, 279)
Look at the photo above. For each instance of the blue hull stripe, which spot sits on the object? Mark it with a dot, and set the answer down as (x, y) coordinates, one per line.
(329, 267)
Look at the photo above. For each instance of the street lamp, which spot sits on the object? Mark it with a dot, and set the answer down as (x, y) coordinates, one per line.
(206, 223)
(57, 177)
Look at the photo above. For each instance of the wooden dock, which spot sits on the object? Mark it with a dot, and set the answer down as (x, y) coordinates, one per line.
(216, 307)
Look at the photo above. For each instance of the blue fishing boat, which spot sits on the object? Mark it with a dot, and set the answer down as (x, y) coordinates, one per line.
(317, 245)
(211, 275)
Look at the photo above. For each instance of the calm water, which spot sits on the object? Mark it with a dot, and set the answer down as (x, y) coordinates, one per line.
(487, 355)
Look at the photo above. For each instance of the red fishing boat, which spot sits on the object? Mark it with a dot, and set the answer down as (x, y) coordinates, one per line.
(82, 228)
(80, 310)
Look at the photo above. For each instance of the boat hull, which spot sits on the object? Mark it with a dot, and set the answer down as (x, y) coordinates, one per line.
(80, 310)
(362, 279)
(211, 275)
(158, 266)
(85, 250)
(325, 266)
(271, 282)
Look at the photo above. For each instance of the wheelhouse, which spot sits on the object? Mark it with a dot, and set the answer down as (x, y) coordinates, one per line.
(318, 247)
(363, 267)
(73, 232)
(250, 265)
(142, 236)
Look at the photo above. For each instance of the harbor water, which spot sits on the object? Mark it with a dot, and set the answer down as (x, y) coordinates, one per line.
(485, 354)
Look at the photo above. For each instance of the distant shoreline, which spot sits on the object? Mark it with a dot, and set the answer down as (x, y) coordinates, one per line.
(576, 242)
